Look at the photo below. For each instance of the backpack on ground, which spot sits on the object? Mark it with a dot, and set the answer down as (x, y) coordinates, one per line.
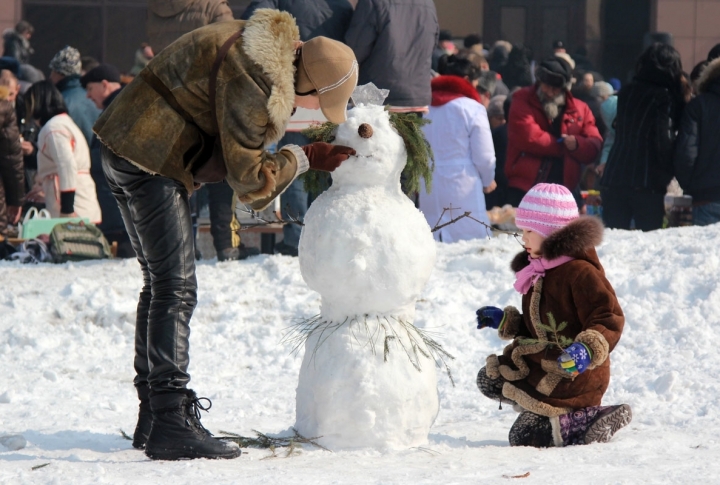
(77, 241)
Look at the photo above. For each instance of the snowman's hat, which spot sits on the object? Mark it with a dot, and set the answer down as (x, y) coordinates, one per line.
(329, 68)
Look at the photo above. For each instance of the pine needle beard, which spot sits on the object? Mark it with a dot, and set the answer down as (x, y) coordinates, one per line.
(551, 106)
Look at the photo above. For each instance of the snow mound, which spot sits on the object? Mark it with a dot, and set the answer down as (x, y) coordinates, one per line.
(665, 367)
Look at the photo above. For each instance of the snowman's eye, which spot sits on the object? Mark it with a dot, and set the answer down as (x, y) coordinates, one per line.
(365, 130)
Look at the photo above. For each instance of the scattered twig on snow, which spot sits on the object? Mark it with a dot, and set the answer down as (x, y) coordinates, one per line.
(125, 435)
(467, 214)
(427, 450)
(37, 467)
(524, 475)
(264, 222)
(262, 440)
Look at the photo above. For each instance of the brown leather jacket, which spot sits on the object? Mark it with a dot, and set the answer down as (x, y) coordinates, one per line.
(169, 19)
(254, 100)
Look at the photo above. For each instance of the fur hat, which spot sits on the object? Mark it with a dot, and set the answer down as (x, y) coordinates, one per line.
(554, 71)
(546, 208)
(67, 62)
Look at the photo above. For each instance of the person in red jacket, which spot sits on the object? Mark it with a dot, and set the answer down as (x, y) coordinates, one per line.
(550, 133)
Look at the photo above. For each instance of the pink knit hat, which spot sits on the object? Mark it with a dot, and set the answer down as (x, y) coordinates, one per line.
(546, 208)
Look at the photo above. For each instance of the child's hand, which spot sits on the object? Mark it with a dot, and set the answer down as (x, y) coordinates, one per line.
(490, 316)
(575, 359)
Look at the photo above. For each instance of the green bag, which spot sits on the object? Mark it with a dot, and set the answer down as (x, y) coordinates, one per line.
(38, 222)
(78, 241)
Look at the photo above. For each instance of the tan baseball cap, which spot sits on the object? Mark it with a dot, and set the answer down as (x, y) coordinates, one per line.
(330, 68)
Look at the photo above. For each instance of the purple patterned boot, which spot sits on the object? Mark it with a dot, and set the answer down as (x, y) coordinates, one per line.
(595, 424)
(608, 421)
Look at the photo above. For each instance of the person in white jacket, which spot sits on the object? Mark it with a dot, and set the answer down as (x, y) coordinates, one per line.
(464, 153)
(63, 174)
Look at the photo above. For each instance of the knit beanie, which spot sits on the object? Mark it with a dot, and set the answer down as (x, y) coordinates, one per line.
(546, 208)
(554, 71)
(67, 62)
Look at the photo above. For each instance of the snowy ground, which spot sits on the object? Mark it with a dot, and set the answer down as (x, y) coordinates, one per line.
(66, 336)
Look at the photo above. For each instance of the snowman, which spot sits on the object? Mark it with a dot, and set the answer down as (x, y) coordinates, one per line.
(368, 376)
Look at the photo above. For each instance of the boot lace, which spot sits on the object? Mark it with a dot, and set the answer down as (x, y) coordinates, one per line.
(193, 408)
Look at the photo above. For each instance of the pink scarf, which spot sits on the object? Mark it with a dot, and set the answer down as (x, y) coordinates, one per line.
(526, 277)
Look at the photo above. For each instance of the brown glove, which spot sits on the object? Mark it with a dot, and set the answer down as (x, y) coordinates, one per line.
(326, 157)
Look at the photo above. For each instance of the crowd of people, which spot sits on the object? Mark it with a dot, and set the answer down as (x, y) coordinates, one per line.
(503, 122)
(558, 121)
(506, 129)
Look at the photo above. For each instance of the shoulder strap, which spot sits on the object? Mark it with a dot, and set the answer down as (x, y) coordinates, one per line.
(222, 53)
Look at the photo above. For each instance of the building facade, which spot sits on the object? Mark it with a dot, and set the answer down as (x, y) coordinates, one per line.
(108, 30)
(612, 31)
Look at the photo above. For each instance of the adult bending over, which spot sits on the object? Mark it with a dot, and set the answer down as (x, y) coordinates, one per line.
(203, 110)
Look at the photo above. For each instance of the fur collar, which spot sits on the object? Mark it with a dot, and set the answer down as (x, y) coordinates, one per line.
(268, 40)
(578, 240)
(447, 88)
(709, 76)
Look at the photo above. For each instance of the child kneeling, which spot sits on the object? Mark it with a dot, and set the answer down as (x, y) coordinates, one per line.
(557, 367)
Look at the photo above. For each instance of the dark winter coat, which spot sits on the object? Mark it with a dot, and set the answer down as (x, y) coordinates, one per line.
(112, 223)
(29, 130)
(393, 42)
(327, 18)
(578, 293)
(697, 152)
(17, 46)
(648, 115)
(254, 101)
(83, 112)
(12, 175)
(169, 19)
(531, 141)
(498, 197)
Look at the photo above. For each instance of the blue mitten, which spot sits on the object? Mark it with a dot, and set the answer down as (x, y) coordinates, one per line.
(575, 359)
(490, 316)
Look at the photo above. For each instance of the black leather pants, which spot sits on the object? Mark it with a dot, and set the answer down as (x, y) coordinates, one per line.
(156, 213)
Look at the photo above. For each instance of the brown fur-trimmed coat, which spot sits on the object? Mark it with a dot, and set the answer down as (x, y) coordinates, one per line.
(254, 101)
(578, 293)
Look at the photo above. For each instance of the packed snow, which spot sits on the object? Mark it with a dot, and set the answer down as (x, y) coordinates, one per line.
(368, 252)
(66, 341)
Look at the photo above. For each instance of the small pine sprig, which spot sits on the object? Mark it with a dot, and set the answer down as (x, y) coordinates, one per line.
(553, 329)
(315, 181)
(261, 440)
(420, 156)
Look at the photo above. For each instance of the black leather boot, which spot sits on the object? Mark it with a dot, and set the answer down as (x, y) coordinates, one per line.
(144, 422)
(177, 433)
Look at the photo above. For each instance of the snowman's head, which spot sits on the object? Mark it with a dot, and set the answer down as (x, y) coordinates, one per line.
(381, 154)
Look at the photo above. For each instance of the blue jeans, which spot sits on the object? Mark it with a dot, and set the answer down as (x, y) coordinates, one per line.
(704, 215)
(294, 201)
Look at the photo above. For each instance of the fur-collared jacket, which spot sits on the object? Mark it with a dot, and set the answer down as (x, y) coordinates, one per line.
(578, 293)
(697, 151)
(254, 100)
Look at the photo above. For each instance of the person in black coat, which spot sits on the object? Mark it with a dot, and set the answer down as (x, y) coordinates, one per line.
(516, 73)
(640, 164)
(697, 152)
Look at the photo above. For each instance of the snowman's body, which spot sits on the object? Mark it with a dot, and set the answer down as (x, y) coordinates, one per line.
(366, 380)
